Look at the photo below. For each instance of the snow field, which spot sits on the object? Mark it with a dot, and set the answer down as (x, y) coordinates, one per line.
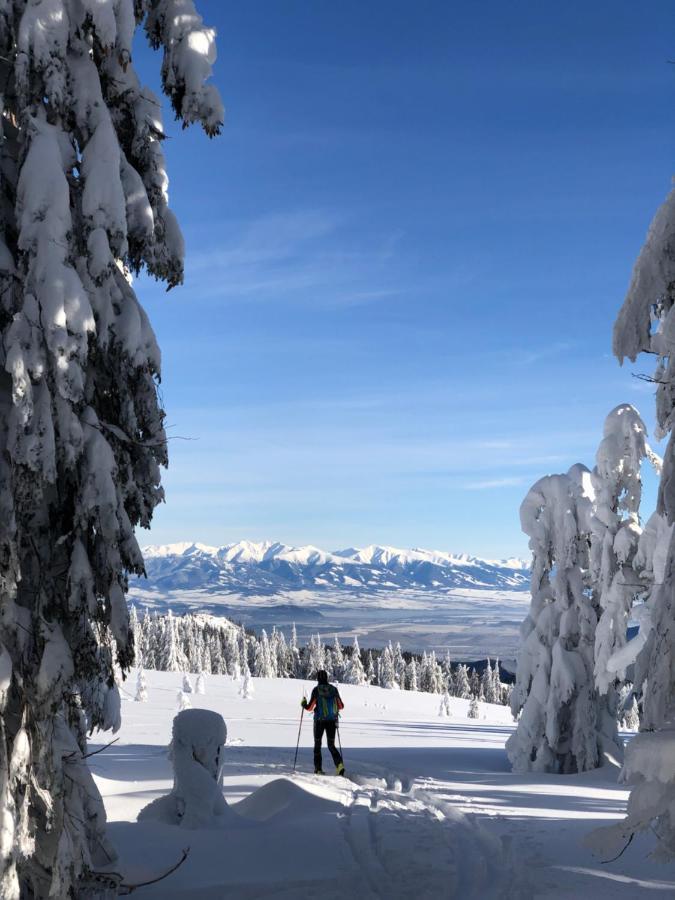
(431, 808)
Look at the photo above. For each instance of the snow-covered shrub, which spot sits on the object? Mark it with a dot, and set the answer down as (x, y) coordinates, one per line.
(187, 683)
(558, 729)
(84, 204)
(197, 753)
(474, 711)
(444, 707)
(246, 690)
(631, 716)
(184, 701)
(201, 683)
(141, 687)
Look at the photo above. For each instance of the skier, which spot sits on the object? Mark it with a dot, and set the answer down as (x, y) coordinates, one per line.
(326, 703)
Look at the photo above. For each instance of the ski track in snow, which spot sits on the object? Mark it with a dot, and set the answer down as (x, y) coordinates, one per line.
(430, 807)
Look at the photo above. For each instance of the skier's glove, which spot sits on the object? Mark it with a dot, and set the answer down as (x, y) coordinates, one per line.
(303, 703)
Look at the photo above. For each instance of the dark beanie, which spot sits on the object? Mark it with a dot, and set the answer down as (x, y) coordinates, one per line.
(322, 676)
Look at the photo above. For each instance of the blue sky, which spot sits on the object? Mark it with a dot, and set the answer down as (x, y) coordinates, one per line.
(405, 254)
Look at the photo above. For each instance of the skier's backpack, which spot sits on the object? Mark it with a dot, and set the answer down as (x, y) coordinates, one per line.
(326, 703)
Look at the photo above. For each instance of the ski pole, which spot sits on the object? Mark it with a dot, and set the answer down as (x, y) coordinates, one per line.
(298, 743)
(340, 741)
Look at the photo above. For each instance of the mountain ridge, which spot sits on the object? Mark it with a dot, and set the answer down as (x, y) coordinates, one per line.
(268, 567)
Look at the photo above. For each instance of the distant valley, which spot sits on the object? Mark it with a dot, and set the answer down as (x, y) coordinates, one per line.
(423, 598)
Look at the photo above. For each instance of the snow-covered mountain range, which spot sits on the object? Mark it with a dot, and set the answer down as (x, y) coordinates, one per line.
(267, 568)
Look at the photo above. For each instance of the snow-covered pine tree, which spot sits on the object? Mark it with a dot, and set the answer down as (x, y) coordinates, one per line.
(437, 683)
(616, 531)
(83, 202)
(646, 323)
(487, 683)
(354, 671)
(243, 645)
(497, 686)
(270, 658)
(462, 684)
(446, 665)
(387, 676)
(279, 651)
(201, 683)
(425, 673)
(371, 675)
(135, 631)
(315, 656)
(187, 684)
(147, 641)
(411, 676)
(558, 729)
(338, 664)
(473, 711)
(399, 666)
(293, 665)
(171, 656)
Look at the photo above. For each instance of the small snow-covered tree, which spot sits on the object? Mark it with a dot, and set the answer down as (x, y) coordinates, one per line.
(83, 203)
(184, 701)
(246, 690)
(558, 729)
(444, 707)
(201, 683)
(187, 684)
(141, 687)
(474, 711)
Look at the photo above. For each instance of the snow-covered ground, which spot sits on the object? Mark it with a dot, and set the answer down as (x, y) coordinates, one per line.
(431, 810)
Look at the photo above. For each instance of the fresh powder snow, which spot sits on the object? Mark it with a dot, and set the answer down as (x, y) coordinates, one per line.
(430, 807)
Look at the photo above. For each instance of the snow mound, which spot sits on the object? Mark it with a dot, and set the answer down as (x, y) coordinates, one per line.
(284, 796)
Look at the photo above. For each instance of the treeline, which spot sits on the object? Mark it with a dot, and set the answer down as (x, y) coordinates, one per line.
(208, 645)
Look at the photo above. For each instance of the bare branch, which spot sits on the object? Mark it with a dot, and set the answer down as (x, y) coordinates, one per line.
(126, 889)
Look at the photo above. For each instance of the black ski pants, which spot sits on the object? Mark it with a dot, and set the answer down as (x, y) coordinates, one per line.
(329, 728)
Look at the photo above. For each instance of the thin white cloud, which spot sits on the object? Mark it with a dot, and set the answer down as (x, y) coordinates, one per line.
(495, 483)
(305, 256)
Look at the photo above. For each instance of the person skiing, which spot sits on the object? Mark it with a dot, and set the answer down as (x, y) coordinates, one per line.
(326, 703)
